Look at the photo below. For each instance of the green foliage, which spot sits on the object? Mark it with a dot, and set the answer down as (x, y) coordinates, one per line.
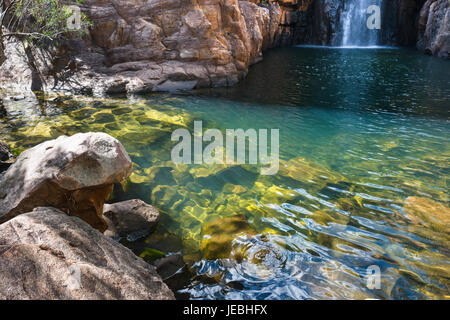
(44, 19)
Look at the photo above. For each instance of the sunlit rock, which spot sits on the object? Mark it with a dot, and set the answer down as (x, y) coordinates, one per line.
(75, 174)
(219, 233)
(303, 170)
(70, 260)
(428, 212)
(276, 194)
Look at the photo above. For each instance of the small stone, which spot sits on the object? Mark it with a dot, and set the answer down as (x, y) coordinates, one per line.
(170, 265)
(130, 217)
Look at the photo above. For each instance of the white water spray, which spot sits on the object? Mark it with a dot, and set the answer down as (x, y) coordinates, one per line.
(361, 23)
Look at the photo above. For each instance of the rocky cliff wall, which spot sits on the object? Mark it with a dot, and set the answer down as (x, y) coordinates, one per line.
(161, 45)
(142, 46)
(434, 28)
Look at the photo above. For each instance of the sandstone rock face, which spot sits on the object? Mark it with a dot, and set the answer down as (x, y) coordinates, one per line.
(46, 254)
(75, 174)
(130, 217)
(141, 46)
(434, 28)
(325, 21)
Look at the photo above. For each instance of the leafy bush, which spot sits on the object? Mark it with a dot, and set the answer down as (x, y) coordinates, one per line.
(40, 19)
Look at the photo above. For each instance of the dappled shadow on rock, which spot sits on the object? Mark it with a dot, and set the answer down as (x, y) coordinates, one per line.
(75, 174)
(70, 260)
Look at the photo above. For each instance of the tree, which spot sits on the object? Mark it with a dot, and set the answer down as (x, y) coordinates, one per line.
(38, 22)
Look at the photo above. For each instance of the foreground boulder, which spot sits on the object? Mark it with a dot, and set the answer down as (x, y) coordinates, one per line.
(130, 217)
(46, 254)
(75, 174)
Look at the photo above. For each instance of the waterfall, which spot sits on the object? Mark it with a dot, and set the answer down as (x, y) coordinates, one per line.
(354, 24)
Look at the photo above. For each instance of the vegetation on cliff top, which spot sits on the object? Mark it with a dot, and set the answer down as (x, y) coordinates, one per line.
(38, 22)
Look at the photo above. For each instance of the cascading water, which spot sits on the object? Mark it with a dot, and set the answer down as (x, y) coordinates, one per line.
(355, 31)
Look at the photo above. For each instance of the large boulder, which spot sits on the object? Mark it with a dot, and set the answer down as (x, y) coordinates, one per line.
(46, 254)
(75, 174)
(132, 217)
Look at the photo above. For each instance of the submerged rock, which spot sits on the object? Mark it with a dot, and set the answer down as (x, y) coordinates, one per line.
(428, 212)
(75, 174)
(130, 218)
(175, 273)
(219, 233)
(46, 254)
(170, 265)
(304, 170)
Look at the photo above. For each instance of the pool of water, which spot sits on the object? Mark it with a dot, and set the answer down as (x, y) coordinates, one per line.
(363, 179)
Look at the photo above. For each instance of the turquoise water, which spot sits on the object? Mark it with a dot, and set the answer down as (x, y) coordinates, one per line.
(363, 179)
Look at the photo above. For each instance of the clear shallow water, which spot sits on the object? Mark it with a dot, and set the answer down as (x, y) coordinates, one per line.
(363, 180)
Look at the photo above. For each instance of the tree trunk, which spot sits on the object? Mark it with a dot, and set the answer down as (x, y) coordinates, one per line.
(2, 109)
(2, 48)
(36, 80)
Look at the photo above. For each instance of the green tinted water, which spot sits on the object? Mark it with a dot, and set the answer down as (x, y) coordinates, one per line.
(363, 179)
